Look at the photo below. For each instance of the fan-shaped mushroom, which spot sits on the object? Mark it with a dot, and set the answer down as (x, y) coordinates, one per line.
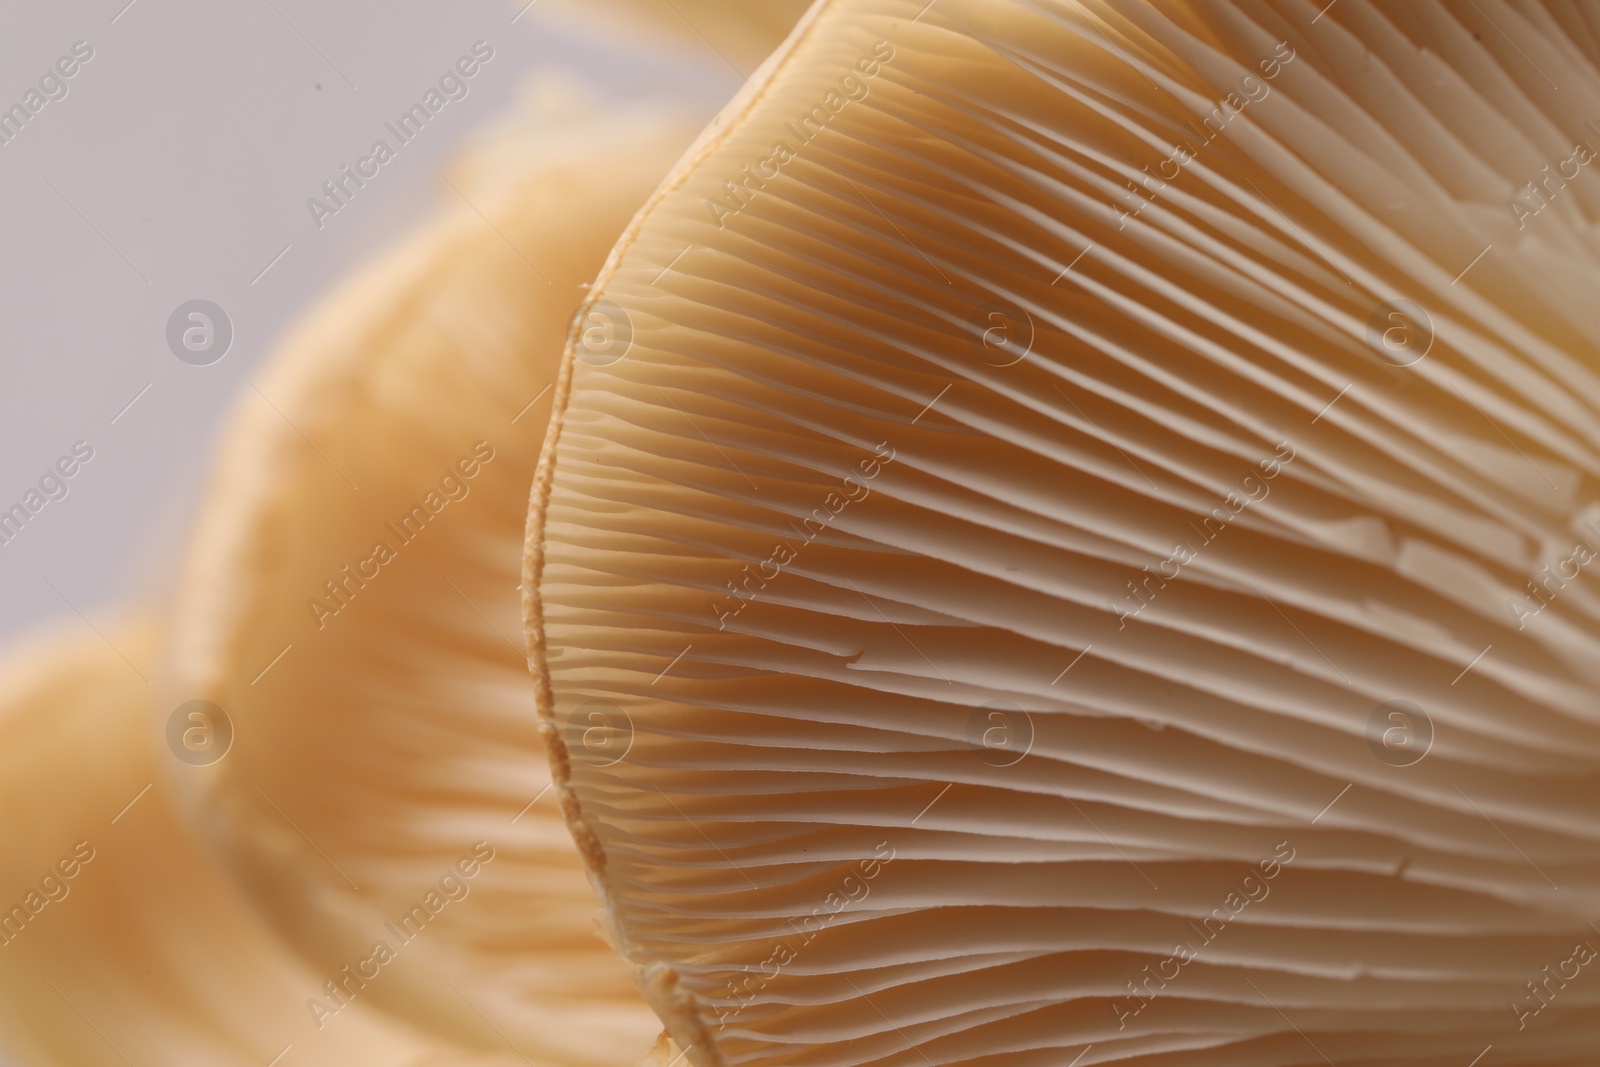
(1085, 557)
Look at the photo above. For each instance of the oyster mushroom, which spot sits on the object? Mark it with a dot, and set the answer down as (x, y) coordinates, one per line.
(1088, 556)
(119, 936)
(350, 604)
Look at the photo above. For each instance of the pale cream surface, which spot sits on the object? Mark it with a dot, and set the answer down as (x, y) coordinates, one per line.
(351, 602)
(1030, 595)
(136, 944)
(737, 33)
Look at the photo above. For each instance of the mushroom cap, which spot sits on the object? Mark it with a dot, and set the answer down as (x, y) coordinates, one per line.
(742, 33)
(1084, 558)
(135, 942)
(350, 602)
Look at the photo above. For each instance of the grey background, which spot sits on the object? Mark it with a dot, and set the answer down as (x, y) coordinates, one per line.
(176, 168)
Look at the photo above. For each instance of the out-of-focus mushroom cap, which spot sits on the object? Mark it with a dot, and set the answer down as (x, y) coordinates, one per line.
(351, 603)
(738, 33)
(133, 941)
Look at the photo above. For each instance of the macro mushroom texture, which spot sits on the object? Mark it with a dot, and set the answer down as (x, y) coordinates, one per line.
(350, 605)
(1087, 555)
(119, 935)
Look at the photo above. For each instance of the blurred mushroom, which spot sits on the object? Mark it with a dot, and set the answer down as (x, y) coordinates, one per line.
(1085, 557)
(350, 603)
(741, 33)
(118, 935)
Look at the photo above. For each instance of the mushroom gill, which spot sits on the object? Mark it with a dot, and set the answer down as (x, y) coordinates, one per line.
(1086, 556)
(350, 605)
